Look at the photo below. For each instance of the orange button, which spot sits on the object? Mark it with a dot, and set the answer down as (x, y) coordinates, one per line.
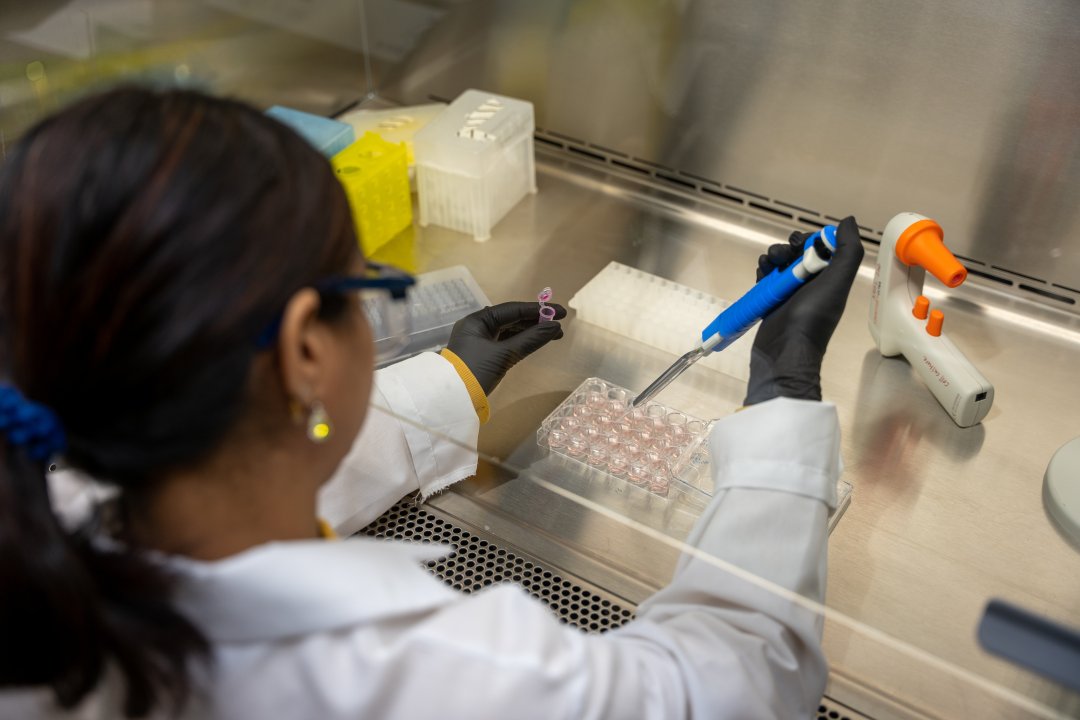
(922, 306)
(934, 326)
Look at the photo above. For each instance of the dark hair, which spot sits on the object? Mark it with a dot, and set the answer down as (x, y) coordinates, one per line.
(146, 240)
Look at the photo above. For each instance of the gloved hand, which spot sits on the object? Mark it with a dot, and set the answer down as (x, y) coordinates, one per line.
(790, 344)
(493, 340)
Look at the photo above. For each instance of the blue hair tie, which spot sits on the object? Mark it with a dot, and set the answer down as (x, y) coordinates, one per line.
(30, 425)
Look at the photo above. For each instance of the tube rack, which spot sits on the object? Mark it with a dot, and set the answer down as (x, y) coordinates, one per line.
(667, 315)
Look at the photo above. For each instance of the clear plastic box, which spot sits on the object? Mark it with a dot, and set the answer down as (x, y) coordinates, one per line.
(658, 312)
(437, 301)
(657, 448)
(474, 162)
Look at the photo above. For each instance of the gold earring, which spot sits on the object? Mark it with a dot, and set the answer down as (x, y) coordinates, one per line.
(318, 424)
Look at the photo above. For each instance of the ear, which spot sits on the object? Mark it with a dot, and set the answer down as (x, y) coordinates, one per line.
(304, 348)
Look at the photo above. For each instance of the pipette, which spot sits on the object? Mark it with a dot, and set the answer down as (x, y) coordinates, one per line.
(770, 293)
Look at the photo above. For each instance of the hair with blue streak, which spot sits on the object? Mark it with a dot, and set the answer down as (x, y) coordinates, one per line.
(30, 425)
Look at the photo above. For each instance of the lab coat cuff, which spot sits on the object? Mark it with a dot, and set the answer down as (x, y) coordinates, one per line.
(782, 444)
(476, 393)
(437, 418)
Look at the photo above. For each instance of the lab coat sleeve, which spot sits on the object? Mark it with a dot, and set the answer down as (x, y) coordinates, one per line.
(420, 434)
(713, 644)
(718, 639)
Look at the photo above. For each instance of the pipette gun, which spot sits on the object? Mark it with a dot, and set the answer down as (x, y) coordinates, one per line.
(902, 322)
(770, 293)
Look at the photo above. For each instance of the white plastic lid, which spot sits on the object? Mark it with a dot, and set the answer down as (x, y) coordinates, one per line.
(469, 134)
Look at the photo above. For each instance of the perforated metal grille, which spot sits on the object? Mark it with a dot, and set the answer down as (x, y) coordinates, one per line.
(479, 563)
(829, 709)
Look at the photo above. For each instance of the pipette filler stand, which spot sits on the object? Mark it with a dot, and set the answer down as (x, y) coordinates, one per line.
(902, 322)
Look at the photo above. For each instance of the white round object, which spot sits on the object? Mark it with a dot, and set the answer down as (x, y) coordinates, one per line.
(1061, 489)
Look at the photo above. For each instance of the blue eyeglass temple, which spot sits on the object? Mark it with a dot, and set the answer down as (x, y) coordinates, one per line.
(390, 279)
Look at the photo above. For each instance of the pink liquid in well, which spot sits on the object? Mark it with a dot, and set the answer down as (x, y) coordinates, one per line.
(597, 455)
(597, 426)
(617, 464)
(659, 483)
(596, 400)
(577, 447)
(638, 473)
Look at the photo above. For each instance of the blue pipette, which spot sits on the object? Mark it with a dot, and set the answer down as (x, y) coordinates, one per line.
(770, 293)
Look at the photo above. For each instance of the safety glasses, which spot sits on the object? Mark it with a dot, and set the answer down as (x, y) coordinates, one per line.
(383, 295)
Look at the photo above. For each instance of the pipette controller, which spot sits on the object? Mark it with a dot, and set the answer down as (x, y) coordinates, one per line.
(767, 295)
(902, 322)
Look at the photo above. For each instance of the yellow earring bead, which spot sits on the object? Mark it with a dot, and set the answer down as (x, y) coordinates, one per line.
(318, 425)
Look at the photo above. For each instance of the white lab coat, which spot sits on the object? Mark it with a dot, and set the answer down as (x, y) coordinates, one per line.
(358, 629)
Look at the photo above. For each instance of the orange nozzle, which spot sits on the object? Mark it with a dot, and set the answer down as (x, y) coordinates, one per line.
(921, 244)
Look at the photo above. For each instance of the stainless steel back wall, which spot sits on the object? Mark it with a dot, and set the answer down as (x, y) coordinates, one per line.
(966, 111)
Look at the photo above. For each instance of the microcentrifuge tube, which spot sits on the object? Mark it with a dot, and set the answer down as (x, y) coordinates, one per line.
(547, 313)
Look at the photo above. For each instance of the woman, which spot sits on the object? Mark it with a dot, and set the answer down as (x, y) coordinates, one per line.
(179, 321)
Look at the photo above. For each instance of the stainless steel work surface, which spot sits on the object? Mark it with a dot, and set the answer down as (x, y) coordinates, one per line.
(943, 518)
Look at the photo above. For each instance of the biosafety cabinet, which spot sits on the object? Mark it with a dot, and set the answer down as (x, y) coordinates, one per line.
(671, 142)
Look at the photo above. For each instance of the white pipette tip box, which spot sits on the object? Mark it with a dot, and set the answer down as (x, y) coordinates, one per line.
(398, 125)
(474, 162)
(662, 313)
(654, 447)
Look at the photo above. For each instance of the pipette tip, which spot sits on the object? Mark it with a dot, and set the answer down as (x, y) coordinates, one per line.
(677, 368)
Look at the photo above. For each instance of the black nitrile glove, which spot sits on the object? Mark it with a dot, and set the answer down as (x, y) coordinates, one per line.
(493, 340)
(790, 344)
